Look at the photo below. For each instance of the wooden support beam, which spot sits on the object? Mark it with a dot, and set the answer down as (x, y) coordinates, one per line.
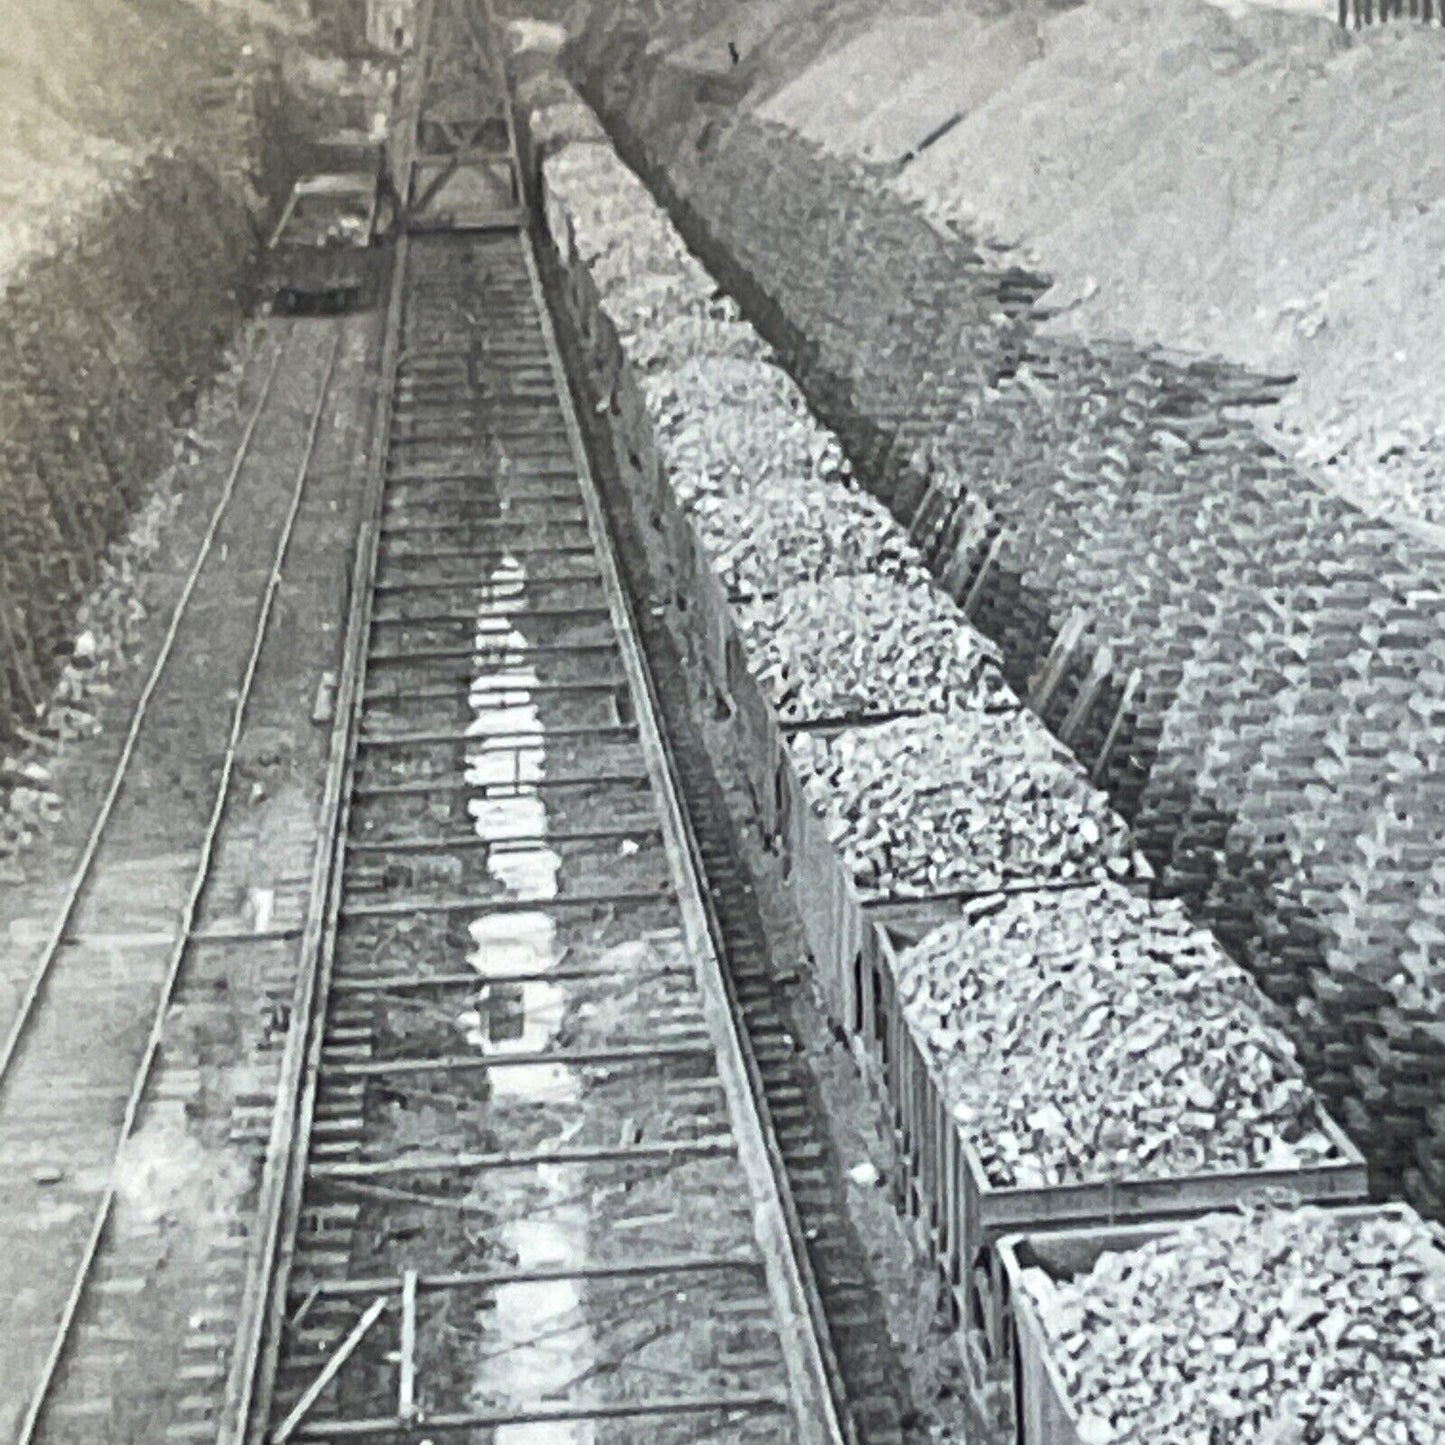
(499, 742)
(400, 983)
(472, 616)
(545, 1413)
(501, 1278)
(1100, 668)
(521, 788)
(718, 1146)
(1056, 664)
(289, 1426)
(1111, 739)
(990, 559)
(509, 694)
(566, 903)
(396, 587)
(406, 1386)
(563, 1058)
(467, 842)
(483, 655)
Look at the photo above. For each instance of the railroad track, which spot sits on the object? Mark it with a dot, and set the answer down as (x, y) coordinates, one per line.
(522, 1174)
(522, 1184)
(81, 1064)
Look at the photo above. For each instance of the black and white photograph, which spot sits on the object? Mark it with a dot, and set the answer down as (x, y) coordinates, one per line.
(722, 722)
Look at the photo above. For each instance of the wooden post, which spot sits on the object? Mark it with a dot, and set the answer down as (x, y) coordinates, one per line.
(1131, 687)
(329, 1371)
(304, 1309)
(1099, 670)
(406, 1390)
(1056, 664)
(21, 650)
(989, 558)
(972, 528)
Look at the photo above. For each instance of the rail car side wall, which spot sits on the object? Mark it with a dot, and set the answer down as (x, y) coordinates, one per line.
(1045, 1415)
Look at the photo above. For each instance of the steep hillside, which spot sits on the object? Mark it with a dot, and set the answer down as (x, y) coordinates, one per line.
(1247, 183)
(89, 87)
(139, 143)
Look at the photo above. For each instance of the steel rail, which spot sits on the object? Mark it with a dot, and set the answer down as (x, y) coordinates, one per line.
(176, 962)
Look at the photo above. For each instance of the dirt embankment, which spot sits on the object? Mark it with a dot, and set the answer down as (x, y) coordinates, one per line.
(141, 141)
(1231, 181)
(1225, 179)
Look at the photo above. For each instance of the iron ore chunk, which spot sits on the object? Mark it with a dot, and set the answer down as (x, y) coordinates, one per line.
(645, 302)
(848, 646)
(720, 332)
(967, 803)
(1089, 1033)
(725, 424)
(599, 195)
(698, 384)
(777, 533)
(1267, 1328)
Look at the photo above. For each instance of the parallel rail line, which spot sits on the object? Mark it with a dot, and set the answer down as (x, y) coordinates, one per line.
(185, 937)
(81, 877)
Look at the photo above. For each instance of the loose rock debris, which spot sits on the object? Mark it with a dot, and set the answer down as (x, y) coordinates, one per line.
(723, 452)
(1277, 1328)
(718, 334)
(109, 627)
(724, 424)
(1081, 1034)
